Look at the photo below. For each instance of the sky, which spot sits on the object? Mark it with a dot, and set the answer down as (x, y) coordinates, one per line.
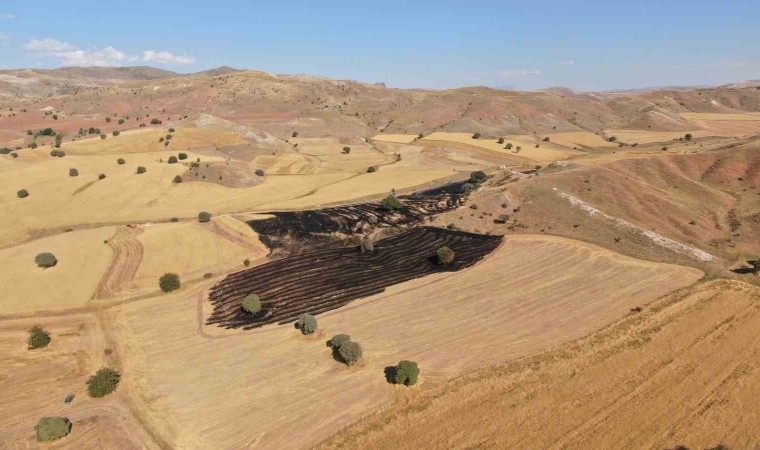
(586, 45)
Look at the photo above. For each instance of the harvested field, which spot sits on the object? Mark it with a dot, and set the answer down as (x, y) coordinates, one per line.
(682, 373)
(397, 138)
(574, 139)
(649, 137)
(144, 140)
(547, 151)
(325, 280)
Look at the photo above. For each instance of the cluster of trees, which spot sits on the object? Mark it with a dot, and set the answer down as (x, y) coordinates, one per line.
(169, 282)
(344, 349)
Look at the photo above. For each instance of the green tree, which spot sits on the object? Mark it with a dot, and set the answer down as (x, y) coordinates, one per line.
(73, 173)
(103, 382)
(141, 169)
(203, 216)
(391, 203)
(115, 133)
(102, 176)
(38, 337)
(407, 373)
(182, 156)
(120, 161)
(45, 260)
(350, 352)
(307, 324)
(346, 150)
(251, 304)
(172, 159)
(177, 179)
(687, 136)
(52, 428)
(339, 339)
(444, 256)
(477, 177)
(169, 282)
(476, 136)
(22, 193)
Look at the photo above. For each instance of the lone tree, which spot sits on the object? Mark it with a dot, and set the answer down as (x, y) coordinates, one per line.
(182, 156)
(52, 428)
(445, 256)
(38, 337)
(252, 304)
(346, 150)
(391, 203)
(115, 133)
(169, 282)
(172, 159)
(177, 179)
(141, 169)
(155, 121)
(22, 193)
(350, 352)
(508, 146)
(102, 176)
(294, 134)
(120, 161)
(476, 136)
(307, 324)
(45, 260)
(371, 169)
(103, 382)
(687, 136)
(73, 173)
(339, 339)
(477, 177)
(407, 373)
(203, 216)
(546, 139)
(500, 141)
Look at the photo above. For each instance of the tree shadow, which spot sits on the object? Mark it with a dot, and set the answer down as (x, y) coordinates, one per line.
(390, 374)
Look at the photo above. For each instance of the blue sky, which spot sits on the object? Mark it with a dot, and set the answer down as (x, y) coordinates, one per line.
(590, 45)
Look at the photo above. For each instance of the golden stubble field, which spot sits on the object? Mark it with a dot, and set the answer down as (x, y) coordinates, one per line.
(199, 386)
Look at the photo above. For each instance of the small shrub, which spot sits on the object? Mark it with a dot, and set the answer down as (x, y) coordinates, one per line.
(338, 340)
(104, 382)
(546, 139)
(177, 179)
(169, 282)
(115, 133)
(171, 130)
(687, 136)
(155, 121)
(52, 428)
(102, 136)
(120, 161)
(307, 324)
(174, 219)
(467, 188)
(500, 141)
(108, 120)
(407, 373)
(38, 338)
(22, 193)
(33, 145)
(102, 176)
(259, 172)
(182, 156)
(476, 136)
(5, 150)
(346, 150)
(141, 169)
(246, 262)
(294, 134)
(208, 275)
(161, 139)
(444, 256)
(73, 173)
(121, 121)
(204, 216)
(371, 169)
(350, 352)
(391, 203)
(172, 159)
(58, 153)
(45, 260)
(508, 146)
(252, 304)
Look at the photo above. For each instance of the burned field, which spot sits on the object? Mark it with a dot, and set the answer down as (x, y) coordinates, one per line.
(350, 219)
(324, 280)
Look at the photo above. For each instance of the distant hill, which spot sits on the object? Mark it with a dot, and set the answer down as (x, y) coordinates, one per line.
(223, 70)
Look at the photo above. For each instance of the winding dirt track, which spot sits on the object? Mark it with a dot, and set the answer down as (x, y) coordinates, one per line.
(128, 253)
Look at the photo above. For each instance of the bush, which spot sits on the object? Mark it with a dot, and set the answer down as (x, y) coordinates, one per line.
(121, 121)
(171, 130)
(120, 161)
(307, 324)
(612, 139)
(350, 352)
(259, 172)
(102, 136)
(155, 121)
(371, 169)
(58, 153)
(177, 179)
(546, 139)
(169, 282)
(182, 156)
(172, 159)
(687, 136)
(246, 262)
(161, 139)
(477, 177)
(45, 260)
(407, 373)
(476, 136)
(103, 382)
(252, 304)
(22, 193)
(52, 428)
(38, 338)
(141, 169)
(204, 216)
(46, 132)
(102, 176)
(174, 219)
(500, 141)
(33, 145)
(73, 173)
(444, 256)
(467, 188)
(5, 150)
(391, 203)
(115, 133)
(346, 150)
(338, 340)
(294, 134)
(108, 120)
(58, 140)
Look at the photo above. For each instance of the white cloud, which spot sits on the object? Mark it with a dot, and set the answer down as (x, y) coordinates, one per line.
(167, 58)
(47, 45)
(7, 16)
(513, 73)
(70, 55)
(569, 62)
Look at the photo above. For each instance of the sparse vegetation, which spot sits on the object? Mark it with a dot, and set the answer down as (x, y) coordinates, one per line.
(104, 382)
(45, 260)
(169, 282)
(546, 139)
(259, 172)
(251, 304)
(38, 338)
(52, 428)
(58, 153)
(203, 216)
(407, 373)
(444, 256)
(307, 324)
(391, 203)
